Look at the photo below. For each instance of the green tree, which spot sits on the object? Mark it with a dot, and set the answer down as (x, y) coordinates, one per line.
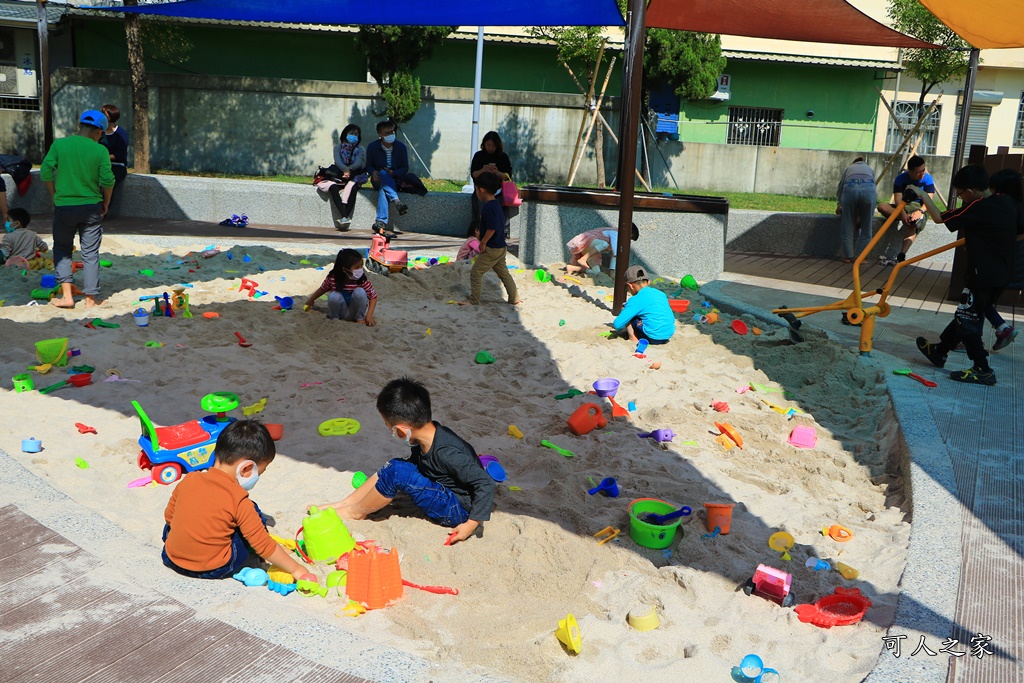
(392, 54)
(930, 66)
(164, 41)
(688, 62)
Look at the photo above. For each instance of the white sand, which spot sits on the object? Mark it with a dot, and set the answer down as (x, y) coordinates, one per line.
(537, 559)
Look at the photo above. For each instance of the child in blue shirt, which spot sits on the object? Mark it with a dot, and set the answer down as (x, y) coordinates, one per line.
(647, 314)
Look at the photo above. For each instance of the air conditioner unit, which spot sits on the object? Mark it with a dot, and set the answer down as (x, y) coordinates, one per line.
(8, 80)
(719, 96)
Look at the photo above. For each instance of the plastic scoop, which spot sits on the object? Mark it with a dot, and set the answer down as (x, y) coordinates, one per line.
(42, 368)
(53, 387)
(652, 518)
(739, 327)
(608, 486)
(569, 394)
(919, 378)
(659, 435)
(241, 341)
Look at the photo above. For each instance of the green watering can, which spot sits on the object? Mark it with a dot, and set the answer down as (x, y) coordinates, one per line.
(325, 536)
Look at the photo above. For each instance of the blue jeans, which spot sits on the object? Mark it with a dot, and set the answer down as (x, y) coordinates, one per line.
(858, 200)
(239, 554)
(637, 326)
(437, 502)
(388, 193)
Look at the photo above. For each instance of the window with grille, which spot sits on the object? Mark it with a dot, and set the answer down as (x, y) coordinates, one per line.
(906, 115)
(755, 126)
(1018, 132)
(20, 103)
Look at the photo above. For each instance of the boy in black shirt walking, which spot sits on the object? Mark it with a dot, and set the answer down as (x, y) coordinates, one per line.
(442, 475)
(989, 226)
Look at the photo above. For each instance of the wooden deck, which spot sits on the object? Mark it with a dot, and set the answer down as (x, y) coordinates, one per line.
(58, 623)
(920, 286)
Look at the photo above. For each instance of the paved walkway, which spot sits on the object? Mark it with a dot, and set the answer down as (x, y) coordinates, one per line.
(49, 600)
(981, 429)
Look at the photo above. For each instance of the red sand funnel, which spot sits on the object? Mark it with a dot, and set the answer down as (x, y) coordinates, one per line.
(374, 578)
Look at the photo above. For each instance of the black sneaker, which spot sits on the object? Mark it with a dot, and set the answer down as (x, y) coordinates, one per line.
(931, 352)
(974, 376)
(403, 208)
(901, 257)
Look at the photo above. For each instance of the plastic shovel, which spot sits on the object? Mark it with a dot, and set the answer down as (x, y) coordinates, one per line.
(652, 518)
(42, 368)
(242, 342)
(53, 387)
(561, 451)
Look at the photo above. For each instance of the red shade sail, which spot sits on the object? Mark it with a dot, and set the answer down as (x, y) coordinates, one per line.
(816, 21)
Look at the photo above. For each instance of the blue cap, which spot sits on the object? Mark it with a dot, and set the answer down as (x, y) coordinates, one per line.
(95, 118)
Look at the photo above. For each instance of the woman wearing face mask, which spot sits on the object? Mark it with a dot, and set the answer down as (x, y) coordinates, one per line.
(350, 296)
(490, 159)
(350, 162)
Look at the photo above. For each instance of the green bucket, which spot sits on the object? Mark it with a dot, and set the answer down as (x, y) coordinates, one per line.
(23, 383)
(653, 536)
(53, 351)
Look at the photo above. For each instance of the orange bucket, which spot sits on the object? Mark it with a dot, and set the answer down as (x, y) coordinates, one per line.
(719, 515)
(374, 578)
(276, 430)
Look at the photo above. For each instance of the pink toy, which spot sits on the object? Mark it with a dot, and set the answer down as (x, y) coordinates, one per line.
(803, 437)
(385, 260)
(720, 406)
(772, 584)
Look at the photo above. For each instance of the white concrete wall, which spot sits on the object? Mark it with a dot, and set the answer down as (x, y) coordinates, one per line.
(267, 126)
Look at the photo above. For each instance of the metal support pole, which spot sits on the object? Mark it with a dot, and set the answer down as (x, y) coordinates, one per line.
(475, 136)
(965, 119)
(45, 107)
(631, 81)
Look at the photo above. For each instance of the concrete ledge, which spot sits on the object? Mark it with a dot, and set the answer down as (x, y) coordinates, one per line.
(671, 243)
(264, 202)
(814, 234)
(926, 604)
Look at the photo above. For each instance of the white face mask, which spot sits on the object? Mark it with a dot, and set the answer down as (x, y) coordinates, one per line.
(249, 482)
(389, 138)
(357, 273)
(408, 434)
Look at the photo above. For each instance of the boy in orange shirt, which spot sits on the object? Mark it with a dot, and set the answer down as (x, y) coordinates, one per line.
(211, 524)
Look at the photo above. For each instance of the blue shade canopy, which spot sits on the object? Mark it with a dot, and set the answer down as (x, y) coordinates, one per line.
(394, 12)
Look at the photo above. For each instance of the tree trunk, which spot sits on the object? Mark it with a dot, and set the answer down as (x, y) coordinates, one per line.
(599, 153)
(140, 88)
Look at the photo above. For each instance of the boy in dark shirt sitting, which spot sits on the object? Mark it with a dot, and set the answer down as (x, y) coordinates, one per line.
(442, 475)
(989, 224)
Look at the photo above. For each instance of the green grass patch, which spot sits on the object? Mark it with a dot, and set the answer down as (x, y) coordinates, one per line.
(737, 200)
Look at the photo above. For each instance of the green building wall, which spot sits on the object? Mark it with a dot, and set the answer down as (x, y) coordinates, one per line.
(325, 55)
(842, 100)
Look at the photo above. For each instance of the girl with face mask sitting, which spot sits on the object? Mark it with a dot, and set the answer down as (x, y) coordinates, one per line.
(350, 296)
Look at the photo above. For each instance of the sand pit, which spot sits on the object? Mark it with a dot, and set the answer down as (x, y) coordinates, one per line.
(537, 559)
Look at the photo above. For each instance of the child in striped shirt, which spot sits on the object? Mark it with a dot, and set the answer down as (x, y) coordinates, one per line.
(350, 296)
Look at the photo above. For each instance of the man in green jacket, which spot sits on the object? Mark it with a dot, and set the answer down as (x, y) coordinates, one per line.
(77, 172)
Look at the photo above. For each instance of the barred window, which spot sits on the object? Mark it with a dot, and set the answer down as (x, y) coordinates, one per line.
(755, 126)
(906, 114)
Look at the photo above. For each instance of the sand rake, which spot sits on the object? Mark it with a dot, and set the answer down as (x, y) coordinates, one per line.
(857, 311)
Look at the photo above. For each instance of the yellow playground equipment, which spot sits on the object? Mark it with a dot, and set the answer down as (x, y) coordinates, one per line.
(857, 310)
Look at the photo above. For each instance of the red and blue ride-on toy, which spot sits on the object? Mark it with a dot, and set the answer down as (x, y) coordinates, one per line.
(384, 260)
(170, 451)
